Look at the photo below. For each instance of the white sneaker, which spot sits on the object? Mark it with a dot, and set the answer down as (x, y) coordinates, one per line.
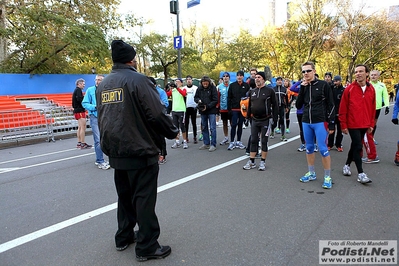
(249, 165)
(346, 170)
(185, 146)
(232, 145)
(240, 145)
(362, 178)
(262, 166)
(224, 141)
(103, 166)
(212, 148)
(176, 145)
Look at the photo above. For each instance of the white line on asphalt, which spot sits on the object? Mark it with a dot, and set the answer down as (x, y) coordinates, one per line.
(49, 162)
(36, 156)
(56, 227)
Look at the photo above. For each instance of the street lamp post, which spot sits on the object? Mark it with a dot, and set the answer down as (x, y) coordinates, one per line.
(178, 34)
(174, 9)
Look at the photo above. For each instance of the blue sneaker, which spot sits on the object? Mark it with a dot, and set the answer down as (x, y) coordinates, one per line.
(277, 131)
(308, 177)
(327, 182)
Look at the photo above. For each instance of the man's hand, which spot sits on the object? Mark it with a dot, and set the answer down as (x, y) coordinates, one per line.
(331, 131)
(386, 110)
(369, 130)
(395, 121)
(345, 131)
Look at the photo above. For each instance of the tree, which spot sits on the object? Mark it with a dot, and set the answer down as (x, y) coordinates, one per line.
(63, 36)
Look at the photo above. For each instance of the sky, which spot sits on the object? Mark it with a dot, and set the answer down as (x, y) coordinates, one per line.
(231, 15)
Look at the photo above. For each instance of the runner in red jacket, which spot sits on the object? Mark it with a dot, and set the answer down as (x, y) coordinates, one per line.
(356, 114)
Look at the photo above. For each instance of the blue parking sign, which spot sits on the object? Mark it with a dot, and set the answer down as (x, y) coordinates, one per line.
(178, 42)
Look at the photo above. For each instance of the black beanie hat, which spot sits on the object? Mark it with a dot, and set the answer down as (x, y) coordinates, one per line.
(122, 52)
(260, 73)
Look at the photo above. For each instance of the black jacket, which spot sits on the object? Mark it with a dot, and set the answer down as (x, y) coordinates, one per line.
(77, 98)
(209, 97)
(131, 119)
(337, 94)
(281, 95)
(262, 102)
(235, 93)
(318, 103)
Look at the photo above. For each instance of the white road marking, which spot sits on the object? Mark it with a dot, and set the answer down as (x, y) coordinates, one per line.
(36, 156)
(59, 226)
(49, 162)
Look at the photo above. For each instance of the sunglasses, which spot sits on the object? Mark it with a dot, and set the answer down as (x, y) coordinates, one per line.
(307, 71)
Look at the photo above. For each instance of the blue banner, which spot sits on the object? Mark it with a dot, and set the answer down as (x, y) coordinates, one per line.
(192, 3)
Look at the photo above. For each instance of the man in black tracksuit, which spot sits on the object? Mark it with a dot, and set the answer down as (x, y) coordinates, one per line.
(132, 120)
(282, 102)
(261, 103)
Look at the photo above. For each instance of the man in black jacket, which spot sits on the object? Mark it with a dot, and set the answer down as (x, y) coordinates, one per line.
(206, 97)
(261, 109)
(132, 120)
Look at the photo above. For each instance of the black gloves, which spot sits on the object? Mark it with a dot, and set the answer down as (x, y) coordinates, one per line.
(386, 110)
(395, 121)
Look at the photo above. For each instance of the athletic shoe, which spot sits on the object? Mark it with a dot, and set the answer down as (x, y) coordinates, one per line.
(277, 131)
(272, 135)
(247, 153)
(244, 126)
(176, 145)
(201, 137)
(375, 142)
(362, 178)
(185, 146)
(287, 131)
(212, 148)
(262, 166)
(232, 145)
(308, 177)
(103, 166)
(240, 145)
(283, 138)
(249, 165)
(329, 148)
(396, 161)
(346, 170)
(78, 145)
(340, 149)
(327, 182)
(224, 141)
(85, 146)
(204, 147)
(195, 140)
(376, 160)
(302, 148)
(316, 148)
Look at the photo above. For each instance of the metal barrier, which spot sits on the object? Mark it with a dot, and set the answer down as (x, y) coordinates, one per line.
(48, 123)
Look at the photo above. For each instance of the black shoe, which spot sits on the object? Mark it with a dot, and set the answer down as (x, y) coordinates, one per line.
(161, 253)
(134, 240)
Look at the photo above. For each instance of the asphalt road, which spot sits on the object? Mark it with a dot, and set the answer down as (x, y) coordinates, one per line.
(58, 208)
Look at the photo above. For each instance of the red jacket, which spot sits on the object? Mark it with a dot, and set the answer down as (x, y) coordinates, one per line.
(357, 109)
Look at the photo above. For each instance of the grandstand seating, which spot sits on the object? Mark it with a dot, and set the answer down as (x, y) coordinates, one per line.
(13, 114)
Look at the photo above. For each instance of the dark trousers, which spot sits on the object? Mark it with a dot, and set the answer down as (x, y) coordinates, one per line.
(299, 118)
(355, 151)
(191, 114)
(338, 139)
(137, 195)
